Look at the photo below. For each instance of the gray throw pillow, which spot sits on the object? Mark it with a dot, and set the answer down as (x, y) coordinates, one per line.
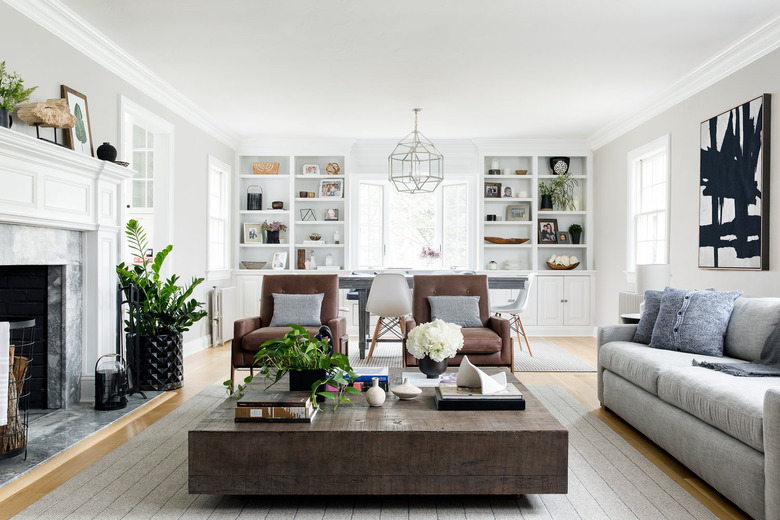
(693, 321)
(460, 310)
(644, 330)
(299, 309)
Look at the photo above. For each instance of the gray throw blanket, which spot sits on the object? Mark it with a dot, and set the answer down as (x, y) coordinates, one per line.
(768, 364)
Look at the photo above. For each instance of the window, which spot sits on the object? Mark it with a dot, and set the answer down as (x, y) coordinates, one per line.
(219, 219)
(394, 227)
(143, 164)
(648, 168)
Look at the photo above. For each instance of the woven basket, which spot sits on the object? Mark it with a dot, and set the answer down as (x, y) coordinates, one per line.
(562, 267)
(253, 265)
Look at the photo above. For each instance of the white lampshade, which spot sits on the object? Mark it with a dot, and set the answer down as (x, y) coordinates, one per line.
(651, 277)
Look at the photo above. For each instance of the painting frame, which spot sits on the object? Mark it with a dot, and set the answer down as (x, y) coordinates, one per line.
(563, 237)
(279, 261)
(75, 100)
(310, 169)
(548, 236)
(249, 236)
(331, 188)
(331, 214)
(492, 190)
(518, 212)
(734, 187)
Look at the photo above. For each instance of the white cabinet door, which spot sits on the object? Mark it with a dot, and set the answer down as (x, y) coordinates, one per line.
(549, 300)
(576, 296)
(249, 295)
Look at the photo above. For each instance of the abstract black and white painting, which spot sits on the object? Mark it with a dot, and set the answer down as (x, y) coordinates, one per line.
(734, 188)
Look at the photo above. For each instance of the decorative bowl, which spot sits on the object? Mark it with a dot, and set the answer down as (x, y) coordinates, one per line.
(406, 391)
(315, 236)
(521, 172)
(558, 267)
(253, 265)
(499, 240)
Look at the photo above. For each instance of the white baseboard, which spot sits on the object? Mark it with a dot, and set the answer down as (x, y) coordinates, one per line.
(87, 388)
(196, 345)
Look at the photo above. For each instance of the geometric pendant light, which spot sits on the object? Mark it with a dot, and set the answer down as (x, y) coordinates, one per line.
(415, 166)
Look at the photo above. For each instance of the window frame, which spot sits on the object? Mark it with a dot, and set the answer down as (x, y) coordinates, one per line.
(635, 157)
(219, 272)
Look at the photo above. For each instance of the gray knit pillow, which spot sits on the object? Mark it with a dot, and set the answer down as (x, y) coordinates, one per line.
(693, 321)
(298, 309)
(460, 310)
(644, 330)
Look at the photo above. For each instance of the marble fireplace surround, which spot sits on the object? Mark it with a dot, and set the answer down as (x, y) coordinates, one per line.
(61, 208)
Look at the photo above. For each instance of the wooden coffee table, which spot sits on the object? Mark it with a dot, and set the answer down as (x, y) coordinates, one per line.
(400, 448)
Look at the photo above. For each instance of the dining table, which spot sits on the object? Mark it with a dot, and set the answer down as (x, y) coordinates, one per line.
(361, 283)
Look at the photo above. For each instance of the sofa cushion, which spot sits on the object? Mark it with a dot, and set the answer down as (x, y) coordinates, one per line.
(644, 330)
(642, 365)
(460, 310)
(734, 405)
(752, 320)
(479, 340)
(300, 309)
(252, 341)
(693, 321)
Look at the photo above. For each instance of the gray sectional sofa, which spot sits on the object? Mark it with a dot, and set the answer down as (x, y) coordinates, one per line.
(724, 428)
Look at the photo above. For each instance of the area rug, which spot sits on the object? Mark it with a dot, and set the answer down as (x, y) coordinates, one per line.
(548, 357)
(147, 478)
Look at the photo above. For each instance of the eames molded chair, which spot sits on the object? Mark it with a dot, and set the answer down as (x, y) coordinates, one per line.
(391, 300)
(515, 309)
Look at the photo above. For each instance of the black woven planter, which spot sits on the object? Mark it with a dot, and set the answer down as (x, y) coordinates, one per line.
(162, 363)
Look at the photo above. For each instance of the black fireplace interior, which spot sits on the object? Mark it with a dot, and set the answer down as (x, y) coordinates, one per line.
(24, 295)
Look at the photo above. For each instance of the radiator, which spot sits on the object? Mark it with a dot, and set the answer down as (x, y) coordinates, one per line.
(628, 303)
(223, 314)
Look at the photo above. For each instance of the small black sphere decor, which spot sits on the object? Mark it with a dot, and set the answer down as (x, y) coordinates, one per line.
(106, 152)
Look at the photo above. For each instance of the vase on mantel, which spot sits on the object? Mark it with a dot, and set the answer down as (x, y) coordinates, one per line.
(433, 369)
(5, 118)
(272, 237)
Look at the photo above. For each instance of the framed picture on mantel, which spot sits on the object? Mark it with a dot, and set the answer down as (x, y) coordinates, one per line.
(78, 138)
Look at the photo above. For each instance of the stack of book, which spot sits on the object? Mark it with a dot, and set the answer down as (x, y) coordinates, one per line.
(259, 406)
(449, 396)
(366, 374)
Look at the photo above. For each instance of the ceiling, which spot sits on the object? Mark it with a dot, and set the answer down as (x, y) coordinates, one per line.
(493, 69)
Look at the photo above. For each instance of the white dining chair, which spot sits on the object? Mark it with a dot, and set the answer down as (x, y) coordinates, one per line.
(391, 300)
(515, 309)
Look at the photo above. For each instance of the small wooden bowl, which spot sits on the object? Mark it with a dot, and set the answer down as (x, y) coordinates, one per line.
(562, 267)
(521, 172)
(253, 265)
(499, 240)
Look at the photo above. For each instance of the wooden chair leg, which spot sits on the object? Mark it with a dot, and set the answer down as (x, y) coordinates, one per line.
(515, 321)
(525, 336)
(373, 340)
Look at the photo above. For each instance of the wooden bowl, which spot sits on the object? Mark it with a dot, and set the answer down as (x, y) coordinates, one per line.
(253, 265)
(499, 240)
(521, 172)
(562, 267)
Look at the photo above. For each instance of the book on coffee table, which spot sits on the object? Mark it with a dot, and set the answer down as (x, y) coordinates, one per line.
(483, 403)
(275, 414)
(453, 391)
(266, 398)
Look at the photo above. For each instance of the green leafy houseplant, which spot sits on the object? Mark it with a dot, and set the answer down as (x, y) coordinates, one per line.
(12, 91)
(575, 228)
(561, 189)
(164, 307)
(297, 350)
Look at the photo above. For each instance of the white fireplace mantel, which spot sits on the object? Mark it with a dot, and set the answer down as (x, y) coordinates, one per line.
(45, 185)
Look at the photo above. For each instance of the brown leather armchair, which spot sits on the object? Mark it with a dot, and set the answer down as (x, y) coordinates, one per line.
(250, 333)
(489, 345)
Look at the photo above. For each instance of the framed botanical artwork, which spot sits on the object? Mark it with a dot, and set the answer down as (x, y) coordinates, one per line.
(493, 189)
(563, 237)
(311, 169)
(331, 188)
(279, 261)
(332, 214)
(520, 212)
(548, 230)
(78, 138)
(733, 188)
(253, 234)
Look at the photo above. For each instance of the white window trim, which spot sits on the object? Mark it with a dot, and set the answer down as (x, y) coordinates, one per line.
(216, 164)
(662, 144)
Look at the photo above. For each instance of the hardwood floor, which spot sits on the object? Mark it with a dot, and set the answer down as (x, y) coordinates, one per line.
(211, 367)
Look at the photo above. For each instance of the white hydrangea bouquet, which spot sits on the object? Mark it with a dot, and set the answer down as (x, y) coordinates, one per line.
(437, 339)
(563, 262)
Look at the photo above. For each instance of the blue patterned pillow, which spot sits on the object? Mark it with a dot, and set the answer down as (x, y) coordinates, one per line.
(693, 321)
(644, 330)
(299, 309)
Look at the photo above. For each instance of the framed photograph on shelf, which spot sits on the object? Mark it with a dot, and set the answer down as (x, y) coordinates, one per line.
(78, 138)
(279, 261)
(493, 190)
(564, 237)
(548, 230)
(519, 212)
(332, 214)
(253, 234)
(508, 192)
(331, 188)
(311, 169)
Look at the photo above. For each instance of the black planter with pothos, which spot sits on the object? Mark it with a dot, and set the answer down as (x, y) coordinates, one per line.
(162, 362)
(302, 380)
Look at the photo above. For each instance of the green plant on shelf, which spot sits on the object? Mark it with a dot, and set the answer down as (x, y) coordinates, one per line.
(561, 189)
(575, 228)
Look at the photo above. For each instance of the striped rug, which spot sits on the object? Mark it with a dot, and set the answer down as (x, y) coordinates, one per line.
(548, 357)
(146, 478)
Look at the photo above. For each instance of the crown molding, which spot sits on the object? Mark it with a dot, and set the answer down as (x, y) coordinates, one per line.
(743, 52)
(59, 20)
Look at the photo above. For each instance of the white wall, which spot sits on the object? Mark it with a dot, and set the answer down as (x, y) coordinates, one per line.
(44, 60)
(682, 122)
